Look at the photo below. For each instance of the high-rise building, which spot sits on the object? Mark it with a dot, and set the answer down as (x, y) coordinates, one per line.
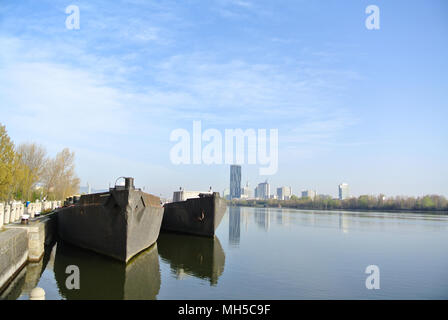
(284, 193)
(343, 191)
(309, 194)
(263, 190)
(235, 181)
(246, 192)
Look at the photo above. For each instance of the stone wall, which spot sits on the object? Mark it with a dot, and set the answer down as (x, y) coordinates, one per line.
(13, 253)
(21, 243)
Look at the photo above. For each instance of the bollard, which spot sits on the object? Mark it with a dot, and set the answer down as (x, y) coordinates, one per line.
(2, 214)
(13, 217)
(32, 211)
(16, 212)
(11, 212)
(7, 213)
(37, 209)
(37, 294)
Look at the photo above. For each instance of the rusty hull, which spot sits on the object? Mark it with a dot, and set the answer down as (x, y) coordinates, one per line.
(119, 223)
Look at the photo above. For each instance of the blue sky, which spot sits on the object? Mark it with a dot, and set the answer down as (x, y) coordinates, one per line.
(366, 107)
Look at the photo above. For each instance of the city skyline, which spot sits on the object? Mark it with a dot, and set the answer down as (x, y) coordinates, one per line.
(343, 98)
(263, 189)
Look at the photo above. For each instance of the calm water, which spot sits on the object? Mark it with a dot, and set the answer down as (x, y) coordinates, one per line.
(262, 253)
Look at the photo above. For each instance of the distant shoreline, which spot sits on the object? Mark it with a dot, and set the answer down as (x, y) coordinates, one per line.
(435, 212)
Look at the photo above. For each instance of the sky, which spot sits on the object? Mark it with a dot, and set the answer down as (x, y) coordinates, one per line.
(365, 107)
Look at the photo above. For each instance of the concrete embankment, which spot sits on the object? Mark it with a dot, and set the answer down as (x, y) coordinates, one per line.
(21, 243)
(13, 254)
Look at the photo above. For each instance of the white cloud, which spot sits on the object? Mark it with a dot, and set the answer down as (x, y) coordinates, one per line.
(71, 96)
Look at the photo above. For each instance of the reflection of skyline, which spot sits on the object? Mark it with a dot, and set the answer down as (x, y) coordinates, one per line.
(234, 226)
(263, 217)
(283, 218)
(244, 214)
(343, 222)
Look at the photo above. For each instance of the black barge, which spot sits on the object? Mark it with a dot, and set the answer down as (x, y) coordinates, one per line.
(119, 223)
(199, 216)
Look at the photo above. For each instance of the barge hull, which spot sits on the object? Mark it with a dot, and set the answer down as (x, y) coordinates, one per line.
(199, 216)
(119, 223)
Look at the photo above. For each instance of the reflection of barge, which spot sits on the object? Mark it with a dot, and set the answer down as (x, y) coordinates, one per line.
(102, 278)
(119, 223)
(200, 216)
(197, 256)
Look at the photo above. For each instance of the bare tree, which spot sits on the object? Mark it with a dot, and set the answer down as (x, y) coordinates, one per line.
(59, 178)
(32, 157)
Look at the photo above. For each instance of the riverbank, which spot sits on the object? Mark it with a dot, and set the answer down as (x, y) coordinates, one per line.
(23, 243)
(263, 204)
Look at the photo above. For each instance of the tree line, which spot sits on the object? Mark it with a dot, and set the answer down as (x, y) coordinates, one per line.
(365, 202)
(28, 173)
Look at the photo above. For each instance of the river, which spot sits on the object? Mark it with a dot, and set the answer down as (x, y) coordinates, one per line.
(265, 253)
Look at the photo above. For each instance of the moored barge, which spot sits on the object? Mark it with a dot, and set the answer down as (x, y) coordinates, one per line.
(199, 216)
(119, 223)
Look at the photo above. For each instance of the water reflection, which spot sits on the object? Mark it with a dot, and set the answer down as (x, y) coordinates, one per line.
(103, 278)
(200, 257)
(283, 218)
(234, 226)
(263, 218)
(14, 289)
(28, 278)
(343, 222)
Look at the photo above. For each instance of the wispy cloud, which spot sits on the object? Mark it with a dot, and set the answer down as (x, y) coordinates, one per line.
(124, 82)
(99, 95)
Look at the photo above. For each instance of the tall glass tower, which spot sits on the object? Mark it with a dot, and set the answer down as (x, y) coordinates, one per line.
(235, 181)
(343, 191)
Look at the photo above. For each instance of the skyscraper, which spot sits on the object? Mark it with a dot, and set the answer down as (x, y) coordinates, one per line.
(343, 191)
(284, 193)
(235, 181)
(246, 192)
(263, 190)
(309, 194)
